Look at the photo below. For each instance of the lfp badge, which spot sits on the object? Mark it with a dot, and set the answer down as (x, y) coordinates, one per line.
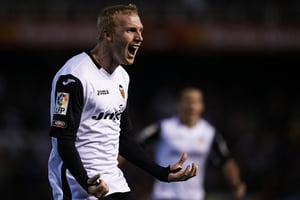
(62, 101)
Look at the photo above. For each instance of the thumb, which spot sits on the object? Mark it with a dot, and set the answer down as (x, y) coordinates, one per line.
(178, 166)
(93, 179)
(182, 159)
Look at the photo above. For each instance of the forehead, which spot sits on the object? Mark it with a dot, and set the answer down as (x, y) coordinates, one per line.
(131, 19)
(192, 93)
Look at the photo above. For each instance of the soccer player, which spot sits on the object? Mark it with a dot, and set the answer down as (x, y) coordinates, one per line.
(89, 119)
(189, 132)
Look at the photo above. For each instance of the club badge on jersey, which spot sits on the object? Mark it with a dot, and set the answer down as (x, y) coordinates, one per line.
(122, 91)
(61, 104)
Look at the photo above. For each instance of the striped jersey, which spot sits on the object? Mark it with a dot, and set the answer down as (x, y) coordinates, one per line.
(86, 107)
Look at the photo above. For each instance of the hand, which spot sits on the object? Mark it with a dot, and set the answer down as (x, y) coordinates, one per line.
(240, 190)
(178, 174)
(97, 187)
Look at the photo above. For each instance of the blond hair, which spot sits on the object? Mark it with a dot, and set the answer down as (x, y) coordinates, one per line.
(106, 19)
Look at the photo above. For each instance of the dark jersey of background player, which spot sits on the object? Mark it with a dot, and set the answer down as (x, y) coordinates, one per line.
(191, 133)
(89, 120)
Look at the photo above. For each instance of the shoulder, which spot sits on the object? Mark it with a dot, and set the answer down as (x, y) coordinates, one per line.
(79, 66)
(77, 60)
(173, 120)
(74, 64)
(122, 72)
(206, 122)
(207, 125)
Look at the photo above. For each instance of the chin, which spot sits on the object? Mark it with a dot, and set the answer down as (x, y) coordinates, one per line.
(129, 61)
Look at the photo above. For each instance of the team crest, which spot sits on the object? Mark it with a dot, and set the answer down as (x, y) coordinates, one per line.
(62, 101)
(122, 91)
(201, 141)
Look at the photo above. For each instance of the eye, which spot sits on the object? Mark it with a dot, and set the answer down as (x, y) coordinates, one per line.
(131, 30)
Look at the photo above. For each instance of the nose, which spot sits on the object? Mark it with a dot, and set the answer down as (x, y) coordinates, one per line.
(138, 37)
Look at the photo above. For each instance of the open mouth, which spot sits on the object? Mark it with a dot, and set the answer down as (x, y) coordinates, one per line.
(132, 50)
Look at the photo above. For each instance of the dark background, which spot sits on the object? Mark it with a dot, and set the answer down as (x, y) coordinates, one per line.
(250, 83)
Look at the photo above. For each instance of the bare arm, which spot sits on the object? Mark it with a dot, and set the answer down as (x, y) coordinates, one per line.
(232, 173)
(221, 157)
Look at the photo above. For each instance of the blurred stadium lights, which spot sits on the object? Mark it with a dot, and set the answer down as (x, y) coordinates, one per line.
(237, 25)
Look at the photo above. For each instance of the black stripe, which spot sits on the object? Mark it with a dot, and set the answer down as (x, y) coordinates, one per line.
(74, 110)
(65, 185)
(93, 59)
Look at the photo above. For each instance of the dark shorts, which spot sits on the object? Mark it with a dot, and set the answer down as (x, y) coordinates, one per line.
(118, 196)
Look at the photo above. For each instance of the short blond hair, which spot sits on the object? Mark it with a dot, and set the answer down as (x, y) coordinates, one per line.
(106, 19)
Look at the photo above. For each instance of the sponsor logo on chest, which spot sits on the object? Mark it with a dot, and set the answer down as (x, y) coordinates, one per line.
(110, 115)
(102, 92)
(110, 103)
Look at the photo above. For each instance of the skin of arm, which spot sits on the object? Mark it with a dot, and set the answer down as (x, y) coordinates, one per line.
(231, 172)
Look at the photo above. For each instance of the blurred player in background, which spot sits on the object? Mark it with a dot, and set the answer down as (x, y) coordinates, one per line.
(89, 120)
(189, 132)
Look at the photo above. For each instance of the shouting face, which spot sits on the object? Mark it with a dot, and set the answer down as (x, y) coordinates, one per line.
(127, 38)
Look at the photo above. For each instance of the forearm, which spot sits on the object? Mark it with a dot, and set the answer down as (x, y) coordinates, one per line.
(134, 153)
(232, 172)
(71, 158)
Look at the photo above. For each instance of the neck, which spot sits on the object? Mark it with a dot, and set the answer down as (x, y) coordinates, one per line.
(103, 58)
(189, 122)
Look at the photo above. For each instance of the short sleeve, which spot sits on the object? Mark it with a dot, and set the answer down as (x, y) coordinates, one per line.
(220, 152)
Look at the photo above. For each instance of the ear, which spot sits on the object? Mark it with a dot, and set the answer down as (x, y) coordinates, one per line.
(107, 36)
